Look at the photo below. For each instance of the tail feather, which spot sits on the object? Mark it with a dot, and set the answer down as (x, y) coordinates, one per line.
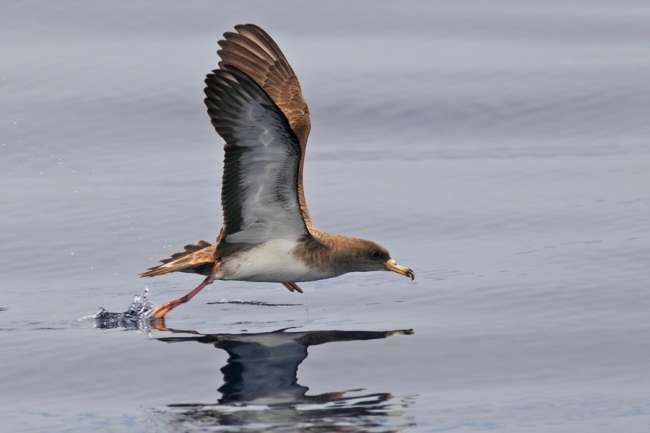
(197, 258)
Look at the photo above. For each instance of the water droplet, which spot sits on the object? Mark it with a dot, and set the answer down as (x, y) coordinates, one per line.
(135, 316)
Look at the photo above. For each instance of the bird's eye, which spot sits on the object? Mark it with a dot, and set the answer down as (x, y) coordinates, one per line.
(376, 254)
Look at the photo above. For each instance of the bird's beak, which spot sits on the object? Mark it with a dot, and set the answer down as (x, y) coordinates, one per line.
(391, 265)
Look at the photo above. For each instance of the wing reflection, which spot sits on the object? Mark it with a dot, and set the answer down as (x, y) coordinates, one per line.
(261, 390)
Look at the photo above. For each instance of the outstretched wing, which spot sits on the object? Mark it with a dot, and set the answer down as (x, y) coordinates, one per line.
(255, 53)
(259, 194)
(252, 51)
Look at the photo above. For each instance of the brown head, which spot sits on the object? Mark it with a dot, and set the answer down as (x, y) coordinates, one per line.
(360, 255)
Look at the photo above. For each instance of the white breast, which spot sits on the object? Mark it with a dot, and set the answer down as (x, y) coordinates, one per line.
(271, 261)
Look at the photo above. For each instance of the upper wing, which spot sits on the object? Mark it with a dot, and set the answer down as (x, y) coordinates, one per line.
(262, 156)
(252, 51)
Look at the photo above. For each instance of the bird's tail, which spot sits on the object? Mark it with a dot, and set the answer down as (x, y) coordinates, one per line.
(197, 258)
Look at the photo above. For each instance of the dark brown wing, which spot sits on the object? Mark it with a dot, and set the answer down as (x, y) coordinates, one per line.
(252, 51)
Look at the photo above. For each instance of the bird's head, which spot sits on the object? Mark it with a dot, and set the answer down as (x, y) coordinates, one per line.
(364, 256)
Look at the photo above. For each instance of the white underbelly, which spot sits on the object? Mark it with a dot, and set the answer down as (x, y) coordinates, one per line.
(272, 261)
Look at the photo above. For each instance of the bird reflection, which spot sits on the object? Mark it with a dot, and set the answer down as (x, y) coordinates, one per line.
(260, 390)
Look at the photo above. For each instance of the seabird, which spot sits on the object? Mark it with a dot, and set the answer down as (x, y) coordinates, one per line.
(255, 104)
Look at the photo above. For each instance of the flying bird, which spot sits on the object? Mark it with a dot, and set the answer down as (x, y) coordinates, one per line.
(256, 105)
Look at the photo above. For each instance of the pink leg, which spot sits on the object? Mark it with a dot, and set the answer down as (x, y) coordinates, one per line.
(160, 312)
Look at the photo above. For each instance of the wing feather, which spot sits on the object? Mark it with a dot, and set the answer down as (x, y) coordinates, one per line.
(252, 51)
(261, 166)
(255, 53)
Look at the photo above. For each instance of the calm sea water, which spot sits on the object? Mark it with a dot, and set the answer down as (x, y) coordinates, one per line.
(500, 149)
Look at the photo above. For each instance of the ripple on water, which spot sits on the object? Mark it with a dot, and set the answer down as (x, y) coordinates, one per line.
(254, 303)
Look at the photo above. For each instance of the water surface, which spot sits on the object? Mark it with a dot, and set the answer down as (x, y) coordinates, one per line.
(501, 150)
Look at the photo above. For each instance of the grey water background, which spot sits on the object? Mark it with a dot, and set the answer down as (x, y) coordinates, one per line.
(499, 148)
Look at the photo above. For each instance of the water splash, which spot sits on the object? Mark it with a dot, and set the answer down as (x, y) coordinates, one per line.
(135, 317)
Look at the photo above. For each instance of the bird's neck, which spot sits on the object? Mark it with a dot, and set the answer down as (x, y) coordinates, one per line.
(327, 251)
